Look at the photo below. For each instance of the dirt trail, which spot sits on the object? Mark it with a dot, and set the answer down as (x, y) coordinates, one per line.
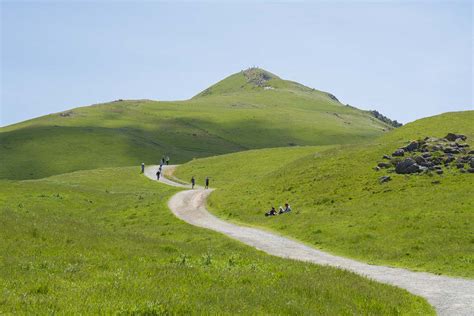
(449, 296)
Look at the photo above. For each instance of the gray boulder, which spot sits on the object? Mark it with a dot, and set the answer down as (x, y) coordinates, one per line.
(384, 165)
(411, 147)
(452, 137)
(449, 159)
(384, 179)
(420, 160)
(451, 150)
(429, 165)
(399, 153)
(437, 160)
(407, 166)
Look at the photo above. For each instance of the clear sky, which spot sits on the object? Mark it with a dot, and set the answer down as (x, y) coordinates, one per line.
(406, 59)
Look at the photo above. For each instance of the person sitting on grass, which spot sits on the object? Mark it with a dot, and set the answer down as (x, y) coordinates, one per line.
(287, 209)
(271, 212)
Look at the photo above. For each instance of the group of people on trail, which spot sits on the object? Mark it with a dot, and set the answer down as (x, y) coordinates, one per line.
(193, 182)
(164, 160)
(281, 210)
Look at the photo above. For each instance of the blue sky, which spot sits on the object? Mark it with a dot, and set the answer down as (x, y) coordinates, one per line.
(406, 59)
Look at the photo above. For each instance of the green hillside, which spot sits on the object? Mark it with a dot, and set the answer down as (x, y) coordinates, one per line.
(104, 242)
(422, 221)
(248, 110)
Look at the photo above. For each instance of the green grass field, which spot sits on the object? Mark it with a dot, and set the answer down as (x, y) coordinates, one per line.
(104, 242)
(231, 116)
(419, 222)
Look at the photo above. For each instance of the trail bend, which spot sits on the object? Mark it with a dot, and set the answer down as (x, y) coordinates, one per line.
(448, 295)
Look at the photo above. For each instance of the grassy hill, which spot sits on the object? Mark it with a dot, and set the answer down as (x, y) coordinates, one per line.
(422, 222)
(104, 242)
(250, 109)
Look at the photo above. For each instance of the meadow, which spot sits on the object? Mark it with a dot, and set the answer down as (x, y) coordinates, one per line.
(103, 242)
(421, 222)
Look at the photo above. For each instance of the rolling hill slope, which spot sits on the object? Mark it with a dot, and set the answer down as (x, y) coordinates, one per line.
(421, 221)
(250, 109)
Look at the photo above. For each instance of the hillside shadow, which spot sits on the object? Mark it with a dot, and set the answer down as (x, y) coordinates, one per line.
(40, 151)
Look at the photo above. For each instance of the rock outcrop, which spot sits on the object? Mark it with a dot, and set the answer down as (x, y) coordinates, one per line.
(430, 155)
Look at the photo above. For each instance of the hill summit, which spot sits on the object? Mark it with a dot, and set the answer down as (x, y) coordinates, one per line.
(256, 79)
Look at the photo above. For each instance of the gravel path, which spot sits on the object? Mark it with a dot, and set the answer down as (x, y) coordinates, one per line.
(449, 296)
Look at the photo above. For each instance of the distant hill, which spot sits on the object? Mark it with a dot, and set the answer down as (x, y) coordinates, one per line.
(250, 109)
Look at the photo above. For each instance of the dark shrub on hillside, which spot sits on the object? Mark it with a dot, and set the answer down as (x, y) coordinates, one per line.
(385, 119)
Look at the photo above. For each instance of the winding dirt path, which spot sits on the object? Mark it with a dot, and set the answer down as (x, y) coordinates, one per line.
(449, 296)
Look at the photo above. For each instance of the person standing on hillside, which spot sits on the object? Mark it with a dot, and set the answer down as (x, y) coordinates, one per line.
(143, 167)
(207, 183)
(167, 160)
(162, 161)
(158, 173)
(193, 182)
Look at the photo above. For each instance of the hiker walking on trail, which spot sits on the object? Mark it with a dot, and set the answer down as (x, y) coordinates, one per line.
(162, 161)
(143, 167)
(158, 173)
(207, 183)
(193, 182)
(167, 160)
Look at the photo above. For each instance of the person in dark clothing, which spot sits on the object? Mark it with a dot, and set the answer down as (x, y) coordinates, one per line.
(143, 167)
(158, 173)
(193, 182)
(207, 183)
(271, 212)
(167, 160)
